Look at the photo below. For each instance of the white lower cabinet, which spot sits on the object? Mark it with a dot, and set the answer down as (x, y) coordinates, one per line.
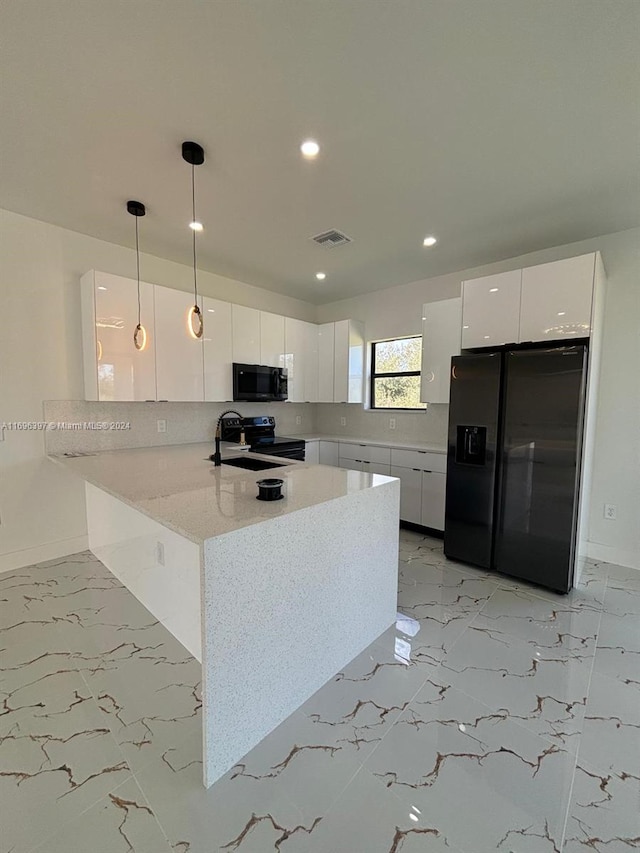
(312, 452)
(433, 495)
(422, 476)
(351, 464)
(376, 468)
(328, 453)
(410, 493)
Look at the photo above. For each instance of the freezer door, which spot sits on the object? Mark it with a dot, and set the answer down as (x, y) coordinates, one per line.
(471, 457)
(538, 491)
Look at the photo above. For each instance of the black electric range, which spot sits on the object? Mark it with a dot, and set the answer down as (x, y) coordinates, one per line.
(260, 435)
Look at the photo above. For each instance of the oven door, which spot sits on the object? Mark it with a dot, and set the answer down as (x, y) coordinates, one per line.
(287, 451)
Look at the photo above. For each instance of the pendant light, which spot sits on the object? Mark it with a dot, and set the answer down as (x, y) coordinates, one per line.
(137, 209)
(193, 154)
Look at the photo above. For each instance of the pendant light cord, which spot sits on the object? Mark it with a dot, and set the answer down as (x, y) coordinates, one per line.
(138, 268)
(193, 219)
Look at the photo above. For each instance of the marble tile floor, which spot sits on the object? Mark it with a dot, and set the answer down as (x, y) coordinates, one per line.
(495, 716)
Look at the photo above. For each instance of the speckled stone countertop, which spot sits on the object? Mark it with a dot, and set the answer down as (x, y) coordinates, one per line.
(375, 442)
(181, 489)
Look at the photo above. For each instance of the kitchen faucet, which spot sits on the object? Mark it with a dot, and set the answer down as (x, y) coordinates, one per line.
(216, 458)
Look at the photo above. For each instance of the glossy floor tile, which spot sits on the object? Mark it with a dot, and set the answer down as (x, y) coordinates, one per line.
(494, 716)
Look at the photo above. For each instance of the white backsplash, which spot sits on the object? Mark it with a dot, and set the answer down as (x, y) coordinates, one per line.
(429, 426)
(185, 422)
(194, 422)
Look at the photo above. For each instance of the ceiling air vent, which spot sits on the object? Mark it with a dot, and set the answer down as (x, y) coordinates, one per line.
(332, 238)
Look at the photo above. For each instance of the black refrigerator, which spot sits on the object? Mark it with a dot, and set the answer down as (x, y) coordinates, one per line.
(513, 464)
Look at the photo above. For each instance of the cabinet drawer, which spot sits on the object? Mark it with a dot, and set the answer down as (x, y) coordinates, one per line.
(378, 455)
(351, 451)
(376, 467)
(365, 453)
(422, 459)
(351, 464)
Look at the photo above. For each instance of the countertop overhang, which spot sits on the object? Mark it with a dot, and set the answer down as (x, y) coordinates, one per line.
(179, 487)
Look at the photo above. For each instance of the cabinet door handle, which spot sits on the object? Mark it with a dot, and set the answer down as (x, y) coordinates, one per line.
(422, 451)
(415, 469)
(427, 472)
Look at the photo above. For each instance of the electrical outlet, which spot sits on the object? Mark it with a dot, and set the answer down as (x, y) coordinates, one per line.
(343, 421)
(610, 511)
(392, 423)
(162, 425)
(160, 553)
(298, 420)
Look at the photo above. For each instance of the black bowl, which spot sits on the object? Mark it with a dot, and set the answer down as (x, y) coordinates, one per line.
(270, 489)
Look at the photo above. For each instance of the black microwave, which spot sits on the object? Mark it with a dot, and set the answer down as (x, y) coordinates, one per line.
(258, 382)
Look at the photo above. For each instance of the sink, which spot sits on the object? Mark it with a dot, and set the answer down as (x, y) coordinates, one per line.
(252, 464)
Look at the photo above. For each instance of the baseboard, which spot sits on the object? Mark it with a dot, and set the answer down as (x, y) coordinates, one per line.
(608, 554)
(50, 551)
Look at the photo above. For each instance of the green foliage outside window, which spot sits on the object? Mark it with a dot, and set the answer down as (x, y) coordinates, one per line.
(395, 374)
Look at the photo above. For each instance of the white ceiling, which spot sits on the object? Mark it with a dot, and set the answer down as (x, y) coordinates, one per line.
(501, 126)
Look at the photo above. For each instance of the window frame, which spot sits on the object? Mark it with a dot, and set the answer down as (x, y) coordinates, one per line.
(373, 376)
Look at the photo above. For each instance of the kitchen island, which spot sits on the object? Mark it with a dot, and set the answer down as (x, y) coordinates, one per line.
(273, 598)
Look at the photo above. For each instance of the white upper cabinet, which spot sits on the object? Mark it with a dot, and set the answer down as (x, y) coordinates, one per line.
(246, 334)
(218, 354)
(326, 360)
(491, 310)
(441, 322)
(311, 377)
(114, 369)
(294, 358)
(179, 355)
(348, 367)
(271, 339)
(301, 360)
(556, 299)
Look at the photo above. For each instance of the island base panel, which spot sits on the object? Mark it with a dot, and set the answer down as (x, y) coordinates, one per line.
(286, 605)
(161, 568)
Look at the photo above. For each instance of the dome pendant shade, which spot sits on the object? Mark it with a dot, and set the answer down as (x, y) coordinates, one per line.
(193, 153)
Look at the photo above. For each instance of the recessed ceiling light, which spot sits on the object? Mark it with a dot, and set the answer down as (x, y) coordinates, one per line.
(321, 276)
(211, 310)
(465, 327)
(196, 226)
(486, 337)
(561, 313)
(429, 241)
(100, 287)
(310, 149)
(493, 290)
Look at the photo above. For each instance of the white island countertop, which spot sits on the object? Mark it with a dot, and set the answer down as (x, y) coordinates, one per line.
(179, 487)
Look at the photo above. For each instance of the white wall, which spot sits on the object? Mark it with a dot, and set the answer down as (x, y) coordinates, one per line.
(42, 507)
(396, 311)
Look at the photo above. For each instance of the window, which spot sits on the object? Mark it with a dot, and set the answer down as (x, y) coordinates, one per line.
(395, 374)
